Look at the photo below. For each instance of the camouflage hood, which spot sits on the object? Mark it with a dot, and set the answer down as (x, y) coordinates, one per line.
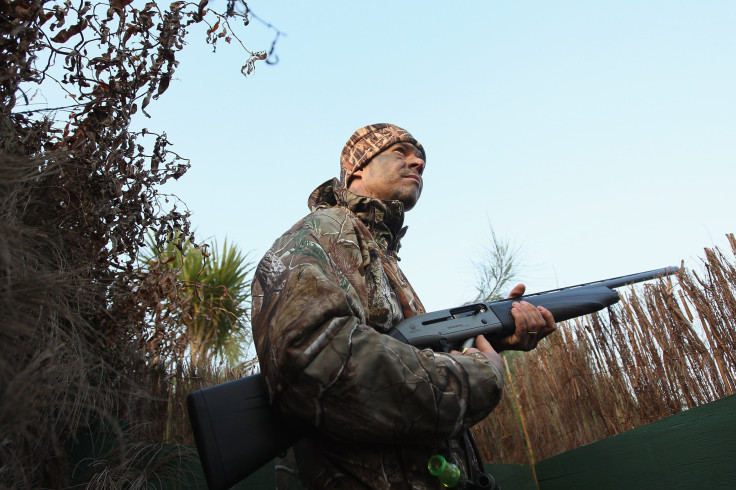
(384, 219)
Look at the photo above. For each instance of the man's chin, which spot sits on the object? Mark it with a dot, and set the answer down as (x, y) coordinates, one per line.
(410, 203)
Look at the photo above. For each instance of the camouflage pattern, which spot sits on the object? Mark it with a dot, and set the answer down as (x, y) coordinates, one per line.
(368, 142)
(323, 296)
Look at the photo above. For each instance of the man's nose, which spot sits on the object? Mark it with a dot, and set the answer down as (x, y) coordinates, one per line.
(416, 162)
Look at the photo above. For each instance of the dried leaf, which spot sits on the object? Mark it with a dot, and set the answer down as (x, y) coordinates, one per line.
(164, 83)
(129, 32)
(44, 16)
(146, 101)
(120, 4)
(214, 27)
(200, 9)
(64, 35)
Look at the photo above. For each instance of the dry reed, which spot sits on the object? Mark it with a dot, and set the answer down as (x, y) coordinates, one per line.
(666, 347)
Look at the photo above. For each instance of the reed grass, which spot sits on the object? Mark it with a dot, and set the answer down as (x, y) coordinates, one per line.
(666, 347)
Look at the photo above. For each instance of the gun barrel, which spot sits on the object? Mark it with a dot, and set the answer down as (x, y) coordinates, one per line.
(618, 282)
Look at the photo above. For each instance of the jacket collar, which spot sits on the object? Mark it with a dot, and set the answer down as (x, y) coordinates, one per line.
(384, 219)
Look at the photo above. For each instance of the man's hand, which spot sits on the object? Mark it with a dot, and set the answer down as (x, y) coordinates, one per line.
(533, 323)
(482, 348)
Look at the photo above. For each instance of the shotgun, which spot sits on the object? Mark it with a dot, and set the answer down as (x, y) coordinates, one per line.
(237, 431)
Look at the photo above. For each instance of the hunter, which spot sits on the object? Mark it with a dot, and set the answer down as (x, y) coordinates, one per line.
(324, 296)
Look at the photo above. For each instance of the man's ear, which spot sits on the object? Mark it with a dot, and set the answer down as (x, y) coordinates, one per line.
(356, 179)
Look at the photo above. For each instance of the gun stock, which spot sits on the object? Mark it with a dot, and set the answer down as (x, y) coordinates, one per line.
(237, 431)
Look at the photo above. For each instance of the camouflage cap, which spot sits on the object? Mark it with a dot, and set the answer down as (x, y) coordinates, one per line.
(368, 142)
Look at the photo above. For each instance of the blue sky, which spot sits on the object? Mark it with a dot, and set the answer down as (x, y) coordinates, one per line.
(598, 137)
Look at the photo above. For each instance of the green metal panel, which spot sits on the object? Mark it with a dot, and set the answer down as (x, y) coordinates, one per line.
(512, 476)
(263, 478)
(690, 450)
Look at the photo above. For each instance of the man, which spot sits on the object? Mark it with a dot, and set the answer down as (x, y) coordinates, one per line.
(325, 295)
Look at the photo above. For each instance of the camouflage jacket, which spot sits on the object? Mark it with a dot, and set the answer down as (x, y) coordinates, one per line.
(323, 296)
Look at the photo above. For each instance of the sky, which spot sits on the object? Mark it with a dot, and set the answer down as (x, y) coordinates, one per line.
(596, 137)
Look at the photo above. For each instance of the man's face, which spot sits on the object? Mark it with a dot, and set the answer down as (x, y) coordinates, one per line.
(395, 174)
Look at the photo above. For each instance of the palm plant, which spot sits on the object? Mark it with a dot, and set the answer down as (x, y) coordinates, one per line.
(212, 298)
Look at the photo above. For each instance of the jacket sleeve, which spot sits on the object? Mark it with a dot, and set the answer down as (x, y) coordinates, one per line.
(323, 365)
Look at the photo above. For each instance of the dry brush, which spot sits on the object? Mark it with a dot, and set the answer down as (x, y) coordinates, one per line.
(84, 343)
